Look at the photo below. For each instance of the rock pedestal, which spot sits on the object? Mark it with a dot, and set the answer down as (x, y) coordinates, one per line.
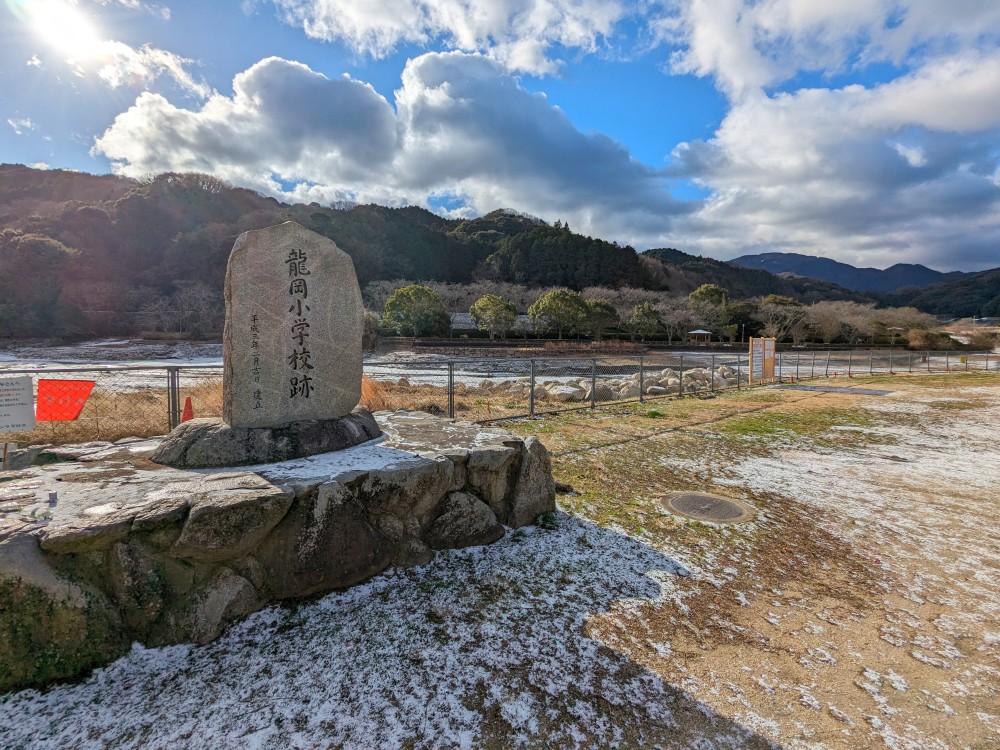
(109, 548)
(208, 443)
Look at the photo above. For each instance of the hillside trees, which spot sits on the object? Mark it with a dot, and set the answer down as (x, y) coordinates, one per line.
(601, 315)
(644, 321)
(31, 269)
(415, 311)
(561, 310)
(550, 256)
(711, 303)
(780, 316)
(493, 313)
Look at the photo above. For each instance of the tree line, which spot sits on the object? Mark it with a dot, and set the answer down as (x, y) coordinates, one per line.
(420, 310)
(84, 255)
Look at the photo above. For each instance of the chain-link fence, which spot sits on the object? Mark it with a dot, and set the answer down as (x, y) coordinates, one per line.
(138, 401)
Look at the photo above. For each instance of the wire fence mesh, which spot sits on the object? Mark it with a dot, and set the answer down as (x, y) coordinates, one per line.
(141, 401)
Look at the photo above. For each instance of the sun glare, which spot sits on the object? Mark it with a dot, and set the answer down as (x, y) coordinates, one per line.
(62, 25)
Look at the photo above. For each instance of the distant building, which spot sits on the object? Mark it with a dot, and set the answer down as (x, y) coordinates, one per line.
(700, 336)
(462, 324)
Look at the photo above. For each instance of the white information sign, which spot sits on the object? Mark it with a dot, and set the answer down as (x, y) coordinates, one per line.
(17, 404)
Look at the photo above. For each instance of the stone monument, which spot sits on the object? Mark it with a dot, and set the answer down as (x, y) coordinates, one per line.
(291, 356)
(292, 342)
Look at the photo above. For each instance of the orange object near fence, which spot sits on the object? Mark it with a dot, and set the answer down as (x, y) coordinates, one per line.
(61, 400)
(188, 410)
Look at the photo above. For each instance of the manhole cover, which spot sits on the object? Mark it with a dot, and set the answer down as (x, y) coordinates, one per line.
(705, 507)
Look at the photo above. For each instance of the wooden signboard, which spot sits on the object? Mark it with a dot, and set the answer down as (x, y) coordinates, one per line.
(762, 360)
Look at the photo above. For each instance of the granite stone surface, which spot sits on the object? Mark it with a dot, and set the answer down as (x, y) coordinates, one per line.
(292, 340)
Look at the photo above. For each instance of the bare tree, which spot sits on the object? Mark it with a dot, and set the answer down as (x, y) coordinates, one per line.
(826, 320)
(779, 318)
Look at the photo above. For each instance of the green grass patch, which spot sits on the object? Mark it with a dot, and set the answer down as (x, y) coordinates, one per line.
(821, 426)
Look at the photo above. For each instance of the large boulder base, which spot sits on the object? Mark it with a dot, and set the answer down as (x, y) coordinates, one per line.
(211, 443)
(101, 547)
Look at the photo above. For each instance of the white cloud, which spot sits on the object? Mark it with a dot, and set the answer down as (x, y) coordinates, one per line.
(124, 66)
(33, 62)
(749, 44)
(905, 170)
(162, 11)
(519, 33)
(21, 125)
(899, 171)
(463, 128)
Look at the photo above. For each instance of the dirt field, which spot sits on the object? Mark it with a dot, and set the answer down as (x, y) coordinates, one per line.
(859, 610)
(863, 607)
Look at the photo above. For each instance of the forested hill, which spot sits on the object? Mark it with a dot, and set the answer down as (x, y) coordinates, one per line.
(850, 277)
(973, 295)
(80, 254)
(745, 282)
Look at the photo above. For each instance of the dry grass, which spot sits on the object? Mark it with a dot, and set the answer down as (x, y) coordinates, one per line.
(832, 628)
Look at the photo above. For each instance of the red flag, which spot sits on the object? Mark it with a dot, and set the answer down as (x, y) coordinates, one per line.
(61, 400)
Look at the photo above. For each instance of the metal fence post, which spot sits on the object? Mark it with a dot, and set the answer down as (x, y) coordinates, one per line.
(798, 359)
(909, 361)
(927, 358)
(451, 390)
(531, 392)
(871, 362)
(777, 367)
(812, 367)
(947, 362)
(680, 376)
(713, 374)
(173, 397)
(642, 383)
(593, 383)
(890, 363)
(739, 371)
(829, 353)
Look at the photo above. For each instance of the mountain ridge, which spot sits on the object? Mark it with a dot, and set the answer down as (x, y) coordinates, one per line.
(895, 277)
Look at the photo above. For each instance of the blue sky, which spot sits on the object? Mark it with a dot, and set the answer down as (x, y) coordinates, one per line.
(867, 131)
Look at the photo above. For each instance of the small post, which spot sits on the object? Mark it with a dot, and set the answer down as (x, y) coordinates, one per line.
(871, 362)
(642, 383)
(680, 376)
(812, 367)
(927, 358)
(890, 363)
(798, 359)
(987, 365)
(739, 371)
(947, 361)
(829, 353)
(531, 392)
(173, 397)
(713, 374)
(777, 365)
(593, 383)
(451, 390)
(850, 361)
